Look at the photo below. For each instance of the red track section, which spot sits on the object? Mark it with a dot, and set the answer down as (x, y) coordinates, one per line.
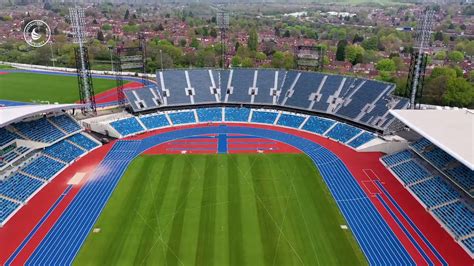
(3, 73)
(111, 94)
(365, 167)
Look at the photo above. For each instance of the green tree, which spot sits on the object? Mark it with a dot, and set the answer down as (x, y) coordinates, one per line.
(438, 36)
(106, 27)
(236, 61)
(252, 43)
(386, 65)
(441, 55)
(459, 93)
(100, 36)
(260, 56)
(127, 15)
(341, 50)
(456, 56)
(195, 43)
(354, 54)
(371, 43)
(248, 62)
(213, 33)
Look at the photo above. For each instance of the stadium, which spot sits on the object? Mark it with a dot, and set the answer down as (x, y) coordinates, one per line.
(233, 167)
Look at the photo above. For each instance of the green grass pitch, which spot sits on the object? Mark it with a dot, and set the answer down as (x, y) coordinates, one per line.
(28, 87)
(242, 209)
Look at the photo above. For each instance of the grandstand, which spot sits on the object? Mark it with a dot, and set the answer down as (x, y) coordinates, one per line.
(362, 101)
(442, 183)
(37, 144)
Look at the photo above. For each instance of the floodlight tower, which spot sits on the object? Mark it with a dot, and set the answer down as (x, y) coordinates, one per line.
(419, 57)
(223, 24)
(86, 89)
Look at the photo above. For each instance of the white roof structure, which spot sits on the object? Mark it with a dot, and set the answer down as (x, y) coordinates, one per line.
(450, 130)
(13, 114)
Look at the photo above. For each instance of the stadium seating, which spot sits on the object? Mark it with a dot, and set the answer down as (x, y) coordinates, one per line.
(398, 157)
(15, 153)
(83, 141)
(463, 176)
(469, 243)
(457, 217)
(127, 126)
(361, 139)
(43, 167)
(410, 172)
(361, 100)
(185, 117)
(434, 191)
(264, 117)
(7, 136)
(19, 187)
(66, 123)
(64, 151)
(318, 125)
(343, 132)
(6, 208)
(421, 144)
(40, 130)
(233, 114)
(209, 114)
(154, 121)
(266, 85)
(289, 120)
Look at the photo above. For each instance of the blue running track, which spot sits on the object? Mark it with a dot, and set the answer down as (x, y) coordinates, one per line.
(378, 242)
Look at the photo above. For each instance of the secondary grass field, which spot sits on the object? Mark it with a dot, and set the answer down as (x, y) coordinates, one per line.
(239, 209)
(28, 87)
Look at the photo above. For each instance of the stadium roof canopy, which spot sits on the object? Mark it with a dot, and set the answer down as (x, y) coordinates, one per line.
(13, 114)
(450, 130)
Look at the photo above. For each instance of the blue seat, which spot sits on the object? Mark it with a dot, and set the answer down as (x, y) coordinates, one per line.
(40, 130)
(264, 117)
(19, 187)
(185, 117)
(66, 123)
(209, 114)
(127, 126)
(410, 172)
(289, 120)
(64, 151)
(343, 132)
(233, 114)
(154, 121)
(434, 191)
(6, 208)
(361, 139)
(398, 157)
(43, 167)
(457, 217)
(318, 125)
(83, 141)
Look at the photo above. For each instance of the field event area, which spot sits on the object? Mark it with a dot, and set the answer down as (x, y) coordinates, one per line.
(239, 209)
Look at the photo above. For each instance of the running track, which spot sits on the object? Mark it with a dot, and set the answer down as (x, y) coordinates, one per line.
(432, 230)
(377, 240)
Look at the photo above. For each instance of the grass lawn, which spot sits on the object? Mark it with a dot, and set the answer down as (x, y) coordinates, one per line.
(28, 87)
(241, 209)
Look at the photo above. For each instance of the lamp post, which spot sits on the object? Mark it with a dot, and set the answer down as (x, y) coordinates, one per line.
(111, 57)
(161, 59)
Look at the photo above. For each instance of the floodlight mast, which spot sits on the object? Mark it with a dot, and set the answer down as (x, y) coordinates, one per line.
(423, 36)
(86, 90)
(222, 20)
